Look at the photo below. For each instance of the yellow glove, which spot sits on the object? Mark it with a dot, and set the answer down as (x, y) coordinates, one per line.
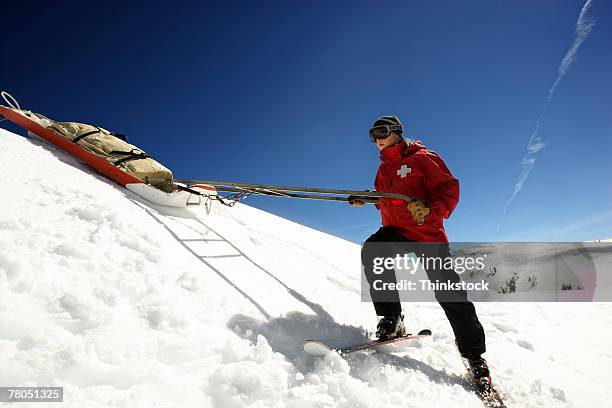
(355, 200)
(419, 210)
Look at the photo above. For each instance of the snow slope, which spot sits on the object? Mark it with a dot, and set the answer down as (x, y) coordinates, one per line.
(125, 304)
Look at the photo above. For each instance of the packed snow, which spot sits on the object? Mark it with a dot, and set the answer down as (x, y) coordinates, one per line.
(126, 304)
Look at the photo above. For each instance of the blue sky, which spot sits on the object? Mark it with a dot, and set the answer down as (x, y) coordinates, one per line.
(284, 93)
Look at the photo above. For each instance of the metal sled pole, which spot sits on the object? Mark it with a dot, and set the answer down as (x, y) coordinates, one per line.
(369, 197)
(279, 190)
(292, 194)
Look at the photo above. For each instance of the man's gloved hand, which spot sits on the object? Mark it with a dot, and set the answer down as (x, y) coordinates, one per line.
(355, 200)
(419, 210)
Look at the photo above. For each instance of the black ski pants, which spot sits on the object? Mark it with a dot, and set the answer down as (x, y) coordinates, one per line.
(388, 242)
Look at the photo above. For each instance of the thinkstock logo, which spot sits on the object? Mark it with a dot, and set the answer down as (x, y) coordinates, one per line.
(486, 271)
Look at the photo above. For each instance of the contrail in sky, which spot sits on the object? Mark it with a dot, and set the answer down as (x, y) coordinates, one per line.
(535, 144)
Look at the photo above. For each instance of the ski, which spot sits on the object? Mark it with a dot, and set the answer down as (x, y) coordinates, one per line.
(320, 349)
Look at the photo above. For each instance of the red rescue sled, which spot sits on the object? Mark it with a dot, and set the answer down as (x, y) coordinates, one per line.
(184, 195)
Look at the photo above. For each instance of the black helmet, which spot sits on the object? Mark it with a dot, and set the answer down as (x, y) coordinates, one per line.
(384, 126)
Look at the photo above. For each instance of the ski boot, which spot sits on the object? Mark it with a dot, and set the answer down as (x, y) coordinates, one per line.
(480, 373)
(390, 327)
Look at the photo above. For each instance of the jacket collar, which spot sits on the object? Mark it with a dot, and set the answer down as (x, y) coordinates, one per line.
(396, 152)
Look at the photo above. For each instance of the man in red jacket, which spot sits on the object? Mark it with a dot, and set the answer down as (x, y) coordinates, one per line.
(408, 168)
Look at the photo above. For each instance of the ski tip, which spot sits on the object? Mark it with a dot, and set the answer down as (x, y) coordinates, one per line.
(316, 348)
(425, 332)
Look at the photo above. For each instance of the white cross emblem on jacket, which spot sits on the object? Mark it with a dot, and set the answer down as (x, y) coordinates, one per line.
(404, 171)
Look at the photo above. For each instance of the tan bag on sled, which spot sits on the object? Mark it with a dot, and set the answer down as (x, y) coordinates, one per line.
(110, 147)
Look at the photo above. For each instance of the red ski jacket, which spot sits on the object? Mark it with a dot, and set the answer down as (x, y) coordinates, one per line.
(409, 168)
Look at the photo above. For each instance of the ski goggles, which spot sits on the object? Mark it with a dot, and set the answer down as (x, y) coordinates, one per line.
(383, 131)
